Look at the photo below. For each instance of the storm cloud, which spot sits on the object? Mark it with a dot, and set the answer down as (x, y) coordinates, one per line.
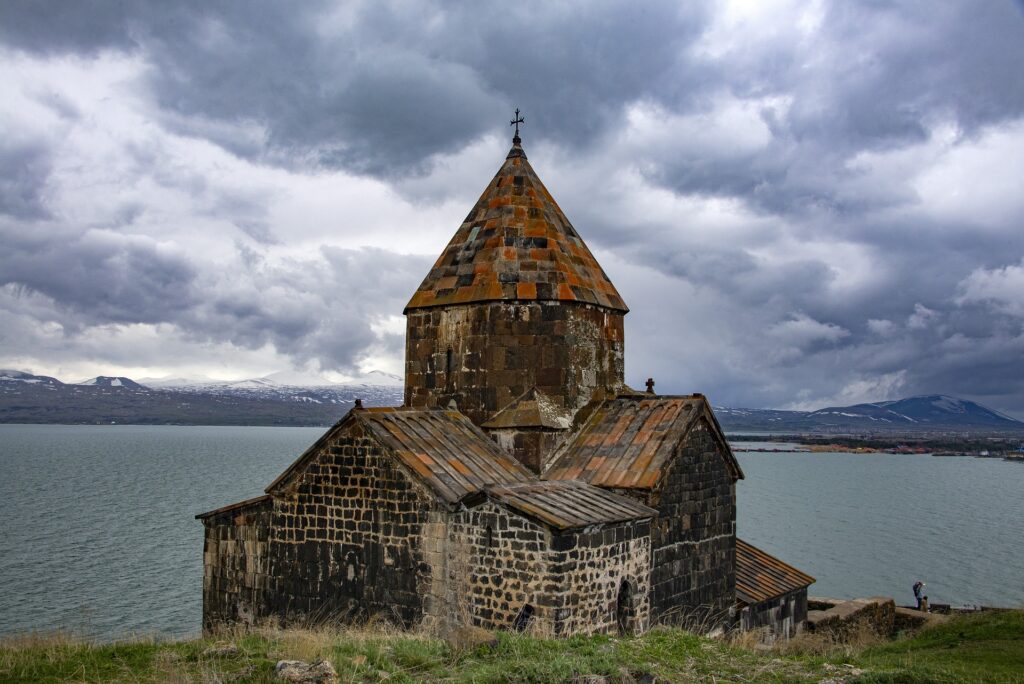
(802, 203)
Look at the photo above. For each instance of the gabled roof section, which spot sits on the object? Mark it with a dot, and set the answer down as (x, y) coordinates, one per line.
(443, 448)
(761, 576)
(516, 245)
(237, 507)
(628, 442)
(569, 504)
(532, 409)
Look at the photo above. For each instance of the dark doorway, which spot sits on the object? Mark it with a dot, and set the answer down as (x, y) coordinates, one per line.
(624, 611)
(523, 618)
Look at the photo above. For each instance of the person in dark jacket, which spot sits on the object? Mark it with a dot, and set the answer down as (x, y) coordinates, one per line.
(919, 592)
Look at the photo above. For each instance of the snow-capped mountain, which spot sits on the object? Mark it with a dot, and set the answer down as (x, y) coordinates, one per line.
(12, 378)
(934, 412)
(25, 397)
(111, 381)
(924, 411)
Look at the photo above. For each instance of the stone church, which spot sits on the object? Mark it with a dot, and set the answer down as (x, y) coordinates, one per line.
(521, 484)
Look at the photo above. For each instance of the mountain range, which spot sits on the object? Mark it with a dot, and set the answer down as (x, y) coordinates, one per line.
(927, 413)
(28, 398)
(296, 399)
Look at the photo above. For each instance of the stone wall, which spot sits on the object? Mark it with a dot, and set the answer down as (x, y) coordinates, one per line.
(500, 563)
(497, 562)
(783, 614)
(347, 539)
(353, 535)
(851, 619)
(235, 564)
(484, 355)
(693, 574)
(590, 566)
(344, 541)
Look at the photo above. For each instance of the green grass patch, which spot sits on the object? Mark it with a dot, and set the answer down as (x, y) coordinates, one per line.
(988, 647)
(985, 647)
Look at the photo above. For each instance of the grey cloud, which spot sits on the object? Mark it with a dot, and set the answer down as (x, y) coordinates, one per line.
(876, 78)
(394, 85)
(102, 278)
(318, 309)
(26, 165)
(383, 88)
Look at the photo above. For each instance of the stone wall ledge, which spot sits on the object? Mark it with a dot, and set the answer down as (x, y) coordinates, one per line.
(846, 617)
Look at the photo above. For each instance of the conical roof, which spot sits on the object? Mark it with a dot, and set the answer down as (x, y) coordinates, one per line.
(516, 245)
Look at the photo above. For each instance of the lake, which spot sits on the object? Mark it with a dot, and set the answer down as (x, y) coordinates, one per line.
(99, 534)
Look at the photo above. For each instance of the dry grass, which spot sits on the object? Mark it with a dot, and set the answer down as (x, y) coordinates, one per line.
(855, 640)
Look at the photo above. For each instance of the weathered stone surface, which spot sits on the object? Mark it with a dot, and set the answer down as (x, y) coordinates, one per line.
(485, 355)
(502, 564)
(782, 614)
(877, 614)
(300, 672)
(235, 564)
(693, 571)
(910, 618)
(344, 543)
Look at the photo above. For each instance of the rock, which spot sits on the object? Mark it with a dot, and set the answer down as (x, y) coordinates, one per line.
(300, 672)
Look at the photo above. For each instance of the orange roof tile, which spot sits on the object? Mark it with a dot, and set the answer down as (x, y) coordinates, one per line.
(514, 221)
(627, 442)
(452, 456)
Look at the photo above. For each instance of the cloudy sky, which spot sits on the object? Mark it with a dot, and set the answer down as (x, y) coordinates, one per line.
(803, 203)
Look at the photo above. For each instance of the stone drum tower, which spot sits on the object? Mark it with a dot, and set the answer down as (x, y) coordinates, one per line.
(516, 303)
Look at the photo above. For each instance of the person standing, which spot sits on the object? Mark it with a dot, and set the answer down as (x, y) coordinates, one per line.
(919, 592)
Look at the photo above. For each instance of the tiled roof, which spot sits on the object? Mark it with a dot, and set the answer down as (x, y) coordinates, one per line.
(516, 244)
(627, 442)
(444, 448)
(568, 504)
(760, 576)
(532, 409)
(236, 507)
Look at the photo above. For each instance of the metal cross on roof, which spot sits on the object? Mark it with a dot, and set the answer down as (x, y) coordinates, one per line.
(515, 122)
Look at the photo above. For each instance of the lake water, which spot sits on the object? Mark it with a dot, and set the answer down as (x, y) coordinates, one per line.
(98, 532)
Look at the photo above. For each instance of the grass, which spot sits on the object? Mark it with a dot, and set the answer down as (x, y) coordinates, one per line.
(983, 648)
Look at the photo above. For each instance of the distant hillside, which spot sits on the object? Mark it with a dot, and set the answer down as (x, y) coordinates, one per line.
(930, 413)
(27, 398)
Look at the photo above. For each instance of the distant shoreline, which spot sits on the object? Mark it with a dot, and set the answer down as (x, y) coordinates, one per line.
(997, 446)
